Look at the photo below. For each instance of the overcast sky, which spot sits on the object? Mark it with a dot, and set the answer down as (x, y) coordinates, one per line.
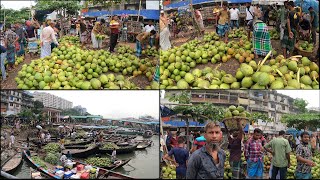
(114, 104)
(312, 96)
(16, 5)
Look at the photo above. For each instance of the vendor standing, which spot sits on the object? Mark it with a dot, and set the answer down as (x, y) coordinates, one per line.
(114, 26)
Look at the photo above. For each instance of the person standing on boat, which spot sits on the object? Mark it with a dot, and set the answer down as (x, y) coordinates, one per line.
(12, 138)
(69, 156)
(113, 156)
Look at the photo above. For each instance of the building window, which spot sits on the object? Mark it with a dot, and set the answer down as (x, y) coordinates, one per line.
(273, 106)
(17, 105)
(11, 98)
(283, 107)
(11, 104)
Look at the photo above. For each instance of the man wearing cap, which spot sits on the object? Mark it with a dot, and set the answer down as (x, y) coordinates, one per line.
(46, 37)
(208, 161)
(164, 32)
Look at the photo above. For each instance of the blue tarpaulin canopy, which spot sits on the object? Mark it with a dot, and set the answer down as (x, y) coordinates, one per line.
(187, 2)
(146, 13)
(239, 1)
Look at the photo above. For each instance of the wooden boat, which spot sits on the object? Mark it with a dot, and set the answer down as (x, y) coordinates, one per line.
(121, 150)
(142, 145)
(82, 153)
(102, 174)
(78, 143)
(112, 167)
(12, 164)
(36, 166)
(147, 134)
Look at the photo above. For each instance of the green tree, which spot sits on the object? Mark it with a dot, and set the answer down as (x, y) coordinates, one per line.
(63, 8)
(301, 104)
(302, 121)
(27, 115)
(105, 4)
(13, 16)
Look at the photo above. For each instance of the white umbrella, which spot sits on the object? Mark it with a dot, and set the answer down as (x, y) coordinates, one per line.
(39, 127)
(61, 126)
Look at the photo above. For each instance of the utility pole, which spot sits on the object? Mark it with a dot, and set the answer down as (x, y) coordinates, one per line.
(139, 11)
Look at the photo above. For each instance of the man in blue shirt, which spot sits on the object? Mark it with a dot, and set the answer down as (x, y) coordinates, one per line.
(208, 161)
(181, 156)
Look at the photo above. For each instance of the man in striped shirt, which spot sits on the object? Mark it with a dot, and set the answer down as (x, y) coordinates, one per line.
(254, 155)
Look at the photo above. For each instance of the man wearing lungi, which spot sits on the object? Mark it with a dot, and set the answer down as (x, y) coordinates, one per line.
(47, 36)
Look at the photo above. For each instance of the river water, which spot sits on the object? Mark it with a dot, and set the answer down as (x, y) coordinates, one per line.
(143, 163)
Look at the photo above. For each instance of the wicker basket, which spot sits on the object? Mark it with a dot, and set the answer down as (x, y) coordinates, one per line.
(303, 52)
(231, 123)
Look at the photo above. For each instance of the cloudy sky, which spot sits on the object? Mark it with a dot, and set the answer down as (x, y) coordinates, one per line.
(312, 96)
(114, 104)
(16, 5)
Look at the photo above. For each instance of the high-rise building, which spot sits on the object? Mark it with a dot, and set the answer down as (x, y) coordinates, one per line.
(50, 100)
(13, 101)
(81, 109)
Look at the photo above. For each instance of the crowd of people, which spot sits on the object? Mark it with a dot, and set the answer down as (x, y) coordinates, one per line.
(257, 20)
(206, 158)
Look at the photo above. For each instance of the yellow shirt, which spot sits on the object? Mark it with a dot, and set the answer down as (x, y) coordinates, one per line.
(216, 10)
(224, 17)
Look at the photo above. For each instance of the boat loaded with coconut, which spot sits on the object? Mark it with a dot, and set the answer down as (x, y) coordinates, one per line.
(74, 170)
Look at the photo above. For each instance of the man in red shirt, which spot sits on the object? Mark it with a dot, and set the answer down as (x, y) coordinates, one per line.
(174, 139)
(114, 26)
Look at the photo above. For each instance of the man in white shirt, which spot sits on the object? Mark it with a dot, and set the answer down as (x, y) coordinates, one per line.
(234, 16)
(46, 37)
(249, 18)
(63, 159)
(148, 28)
(113, 155)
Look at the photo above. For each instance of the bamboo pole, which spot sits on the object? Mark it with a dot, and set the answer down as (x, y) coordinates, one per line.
(139, 11)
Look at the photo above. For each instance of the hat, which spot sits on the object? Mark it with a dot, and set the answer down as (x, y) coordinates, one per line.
(161, 11)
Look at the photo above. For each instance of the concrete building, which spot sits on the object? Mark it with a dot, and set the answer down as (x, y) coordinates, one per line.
(13, 101)
(81, 109)
(53, 114)
(270, 103)
(50, 100)
(125, 5)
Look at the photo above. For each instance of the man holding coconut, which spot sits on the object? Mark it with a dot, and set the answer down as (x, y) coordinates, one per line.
(208, 161)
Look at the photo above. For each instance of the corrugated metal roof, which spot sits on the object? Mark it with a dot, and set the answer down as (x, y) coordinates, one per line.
(146, 13)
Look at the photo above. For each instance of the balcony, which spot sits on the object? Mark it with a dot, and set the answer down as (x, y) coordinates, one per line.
(258, 108)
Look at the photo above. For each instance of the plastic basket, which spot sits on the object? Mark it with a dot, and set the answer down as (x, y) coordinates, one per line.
(231, 123)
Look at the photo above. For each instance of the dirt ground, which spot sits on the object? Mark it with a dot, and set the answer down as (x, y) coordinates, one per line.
(141, 81)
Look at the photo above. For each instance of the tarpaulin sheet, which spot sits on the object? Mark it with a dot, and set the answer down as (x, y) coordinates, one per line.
(186, 3)
(165, 111)
(305, 4)
(146, 13)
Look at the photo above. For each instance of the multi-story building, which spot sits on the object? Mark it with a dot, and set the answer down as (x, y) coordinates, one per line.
(81, 109)
(50, 100)
(13, 101)
(271, 103)
(125, 5)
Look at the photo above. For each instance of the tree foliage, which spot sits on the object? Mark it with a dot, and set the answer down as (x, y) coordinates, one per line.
(198, 112)
(13, 16)
(71, 7)
(71, 112)
(104, 3)
(254, 117)
(301, 104)
(302, 121)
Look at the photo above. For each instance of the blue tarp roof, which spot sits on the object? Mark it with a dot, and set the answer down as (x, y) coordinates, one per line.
(239, 1)
(147, 13)
(186, 3)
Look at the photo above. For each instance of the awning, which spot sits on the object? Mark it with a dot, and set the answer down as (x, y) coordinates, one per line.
(146, 13)
(186, 3)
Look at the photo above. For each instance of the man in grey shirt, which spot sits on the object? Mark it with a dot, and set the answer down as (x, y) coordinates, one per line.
(208, 161)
